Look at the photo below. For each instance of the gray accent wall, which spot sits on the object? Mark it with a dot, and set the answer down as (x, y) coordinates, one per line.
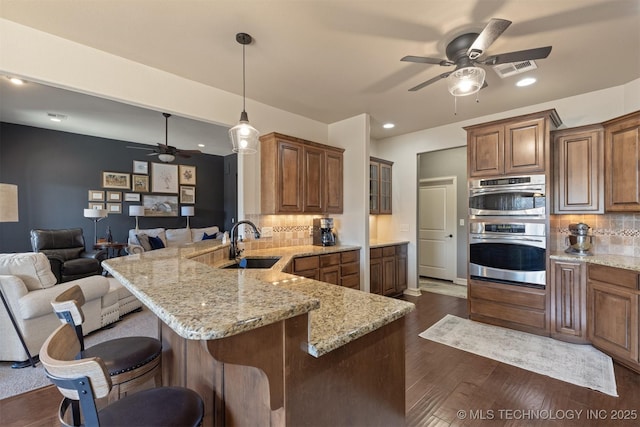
(451, 162)
(55, 170)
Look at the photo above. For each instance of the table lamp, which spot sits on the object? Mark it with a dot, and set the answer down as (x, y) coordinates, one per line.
(95, 215)
(9, 213)
(187, 211)
(136, 211)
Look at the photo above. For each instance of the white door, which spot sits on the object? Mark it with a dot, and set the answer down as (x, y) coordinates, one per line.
(436, 228)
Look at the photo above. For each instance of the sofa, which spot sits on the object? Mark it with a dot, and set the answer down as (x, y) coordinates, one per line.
(137, 240)
(29, 286)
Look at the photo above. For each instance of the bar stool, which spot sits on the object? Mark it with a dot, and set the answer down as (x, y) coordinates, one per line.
(130, 361)
(82, 381)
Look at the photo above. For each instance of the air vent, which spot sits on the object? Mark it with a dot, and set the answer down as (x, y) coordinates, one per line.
(512, 68)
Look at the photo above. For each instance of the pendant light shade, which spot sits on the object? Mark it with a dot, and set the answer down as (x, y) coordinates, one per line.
(244, 137)
(466, 81)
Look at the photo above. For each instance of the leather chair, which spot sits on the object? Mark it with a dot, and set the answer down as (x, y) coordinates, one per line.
(82, 381)
(66, 252)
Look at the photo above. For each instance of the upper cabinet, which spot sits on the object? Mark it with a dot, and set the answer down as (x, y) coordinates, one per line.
(299, 176)
(517, 146)
(380, 199)
(578, 170)
(622, 160)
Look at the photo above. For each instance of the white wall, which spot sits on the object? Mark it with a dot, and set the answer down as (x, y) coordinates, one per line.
(593, 107)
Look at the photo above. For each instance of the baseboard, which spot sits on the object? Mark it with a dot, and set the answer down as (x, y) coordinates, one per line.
(412, 292)
(460, 281)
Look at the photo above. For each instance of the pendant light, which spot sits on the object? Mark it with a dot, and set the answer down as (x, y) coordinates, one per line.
(244, 136)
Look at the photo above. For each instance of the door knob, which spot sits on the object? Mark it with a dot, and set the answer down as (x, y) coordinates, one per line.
(450, 235)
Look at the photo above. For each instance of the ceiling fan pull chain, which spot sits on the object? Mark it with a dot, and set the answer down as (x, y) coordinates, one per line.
(455, 105)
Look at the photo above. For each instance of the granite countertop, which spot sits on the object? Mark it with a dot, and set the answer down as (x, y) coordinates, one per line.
(203, 302)
(618, 261)
(379, 243)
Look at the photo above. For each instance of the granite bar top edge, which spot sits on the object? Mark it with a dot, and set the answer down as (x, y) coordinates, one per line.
(617, 261)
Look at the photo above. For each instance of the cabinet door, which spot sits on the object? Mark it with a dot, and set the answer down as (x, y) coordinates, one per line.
(389, 275)
(330, 274)
(385, 188)
(374, 187)
(375, 276)
(401, 268)
(334, 182)
(613, 320)
(578, 171)
(569, 301)
(485, 151)
(290, 163)
(314, 170)
(622, 157)
(524, 147)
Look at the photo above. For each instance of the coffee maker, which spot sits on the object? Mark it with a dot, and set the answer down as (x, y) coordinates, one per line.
(323, 232)
(579, 240)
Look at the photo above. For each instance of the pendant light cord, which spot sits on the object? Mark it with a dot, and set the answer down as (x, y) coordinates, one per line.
(243, 80)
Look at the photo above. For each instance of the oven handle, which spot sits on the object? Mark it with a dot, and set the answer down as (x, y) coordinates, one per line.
(480, 191)
(508, 239)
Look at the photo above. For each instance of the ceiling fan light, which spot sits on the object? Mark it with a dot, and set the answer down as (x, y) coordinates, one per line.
(466, 81)
(167, 158)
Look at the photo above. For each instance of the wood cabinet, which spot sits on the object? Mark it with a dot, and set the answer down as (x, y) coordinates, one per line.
(515, 146)
(388, 270)
(380, 183)
(612, 295)
(569, 301)
(299, 176)
(339, 268)
(510, 306)
(578, 170)
(622, 160)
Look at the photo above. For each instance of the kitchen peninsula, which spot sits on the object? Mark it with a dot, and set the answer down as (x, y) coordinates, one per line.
(263, 347)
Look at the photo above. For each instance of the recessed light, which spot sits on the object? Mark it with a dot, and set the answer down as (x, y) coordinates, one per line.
(201, 145)
(16, 81)
(526, 82)
(56, 117)
(388, 125)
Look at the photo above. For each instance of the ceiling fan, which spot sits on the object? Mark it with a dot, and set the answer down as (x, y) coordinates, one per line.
(165, 152)
(466, 53)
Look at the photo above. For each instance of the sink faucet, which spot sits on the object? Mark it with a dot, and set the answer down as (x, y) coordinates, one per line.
(234, 252)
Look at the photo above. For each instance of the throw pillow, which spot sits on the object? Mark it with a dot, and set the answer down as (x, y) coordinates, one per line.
(206, 236)
(156, 242)
(143, 240)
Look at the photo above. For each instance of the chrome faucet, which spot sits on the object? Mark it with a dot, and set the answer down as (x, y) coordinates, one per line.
(234, 252)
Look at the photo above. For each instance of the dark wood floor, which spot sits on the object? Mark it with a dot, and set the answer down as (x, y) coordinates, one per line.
(445, 387)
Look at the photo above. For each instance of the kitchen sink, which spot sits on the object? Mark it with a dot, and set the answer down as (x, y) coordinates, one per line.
(255, 263)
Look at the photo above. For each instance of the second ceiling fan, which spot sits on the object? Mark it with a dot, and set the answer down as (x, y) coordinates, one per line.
(165, 152)
(466, 52)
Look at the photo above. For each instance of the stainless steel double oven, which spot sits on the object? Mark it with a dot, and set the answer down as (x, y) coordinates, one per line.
(507, 231)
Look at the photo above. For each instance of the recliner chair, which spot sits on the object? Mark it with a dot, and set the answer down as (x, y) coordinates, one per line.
(66, 252)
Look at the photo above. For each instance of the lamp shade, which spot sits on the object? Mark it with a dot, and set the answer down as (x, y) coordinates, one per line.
(8, 203)
(187, 210)
(466, 81)
(136, 210)
(166, 158)
(95, 213)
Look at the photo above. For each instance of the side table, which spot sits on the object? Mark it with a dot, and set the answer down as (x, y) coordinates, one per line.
(113, 248)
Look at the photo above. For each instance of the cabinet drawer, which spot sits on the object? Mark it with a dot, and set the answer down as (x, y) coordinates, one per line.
(349, 269)
(375, 253)
(352, 281)
(329, 259)
(524, 297)
(614, 276)
(350, 256)
(389, 251)
(305, 263)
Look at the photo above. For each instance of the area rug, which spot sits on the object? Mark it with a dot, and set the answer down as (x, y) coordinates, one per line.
(16, 381)
(577, 364)
(443, 288)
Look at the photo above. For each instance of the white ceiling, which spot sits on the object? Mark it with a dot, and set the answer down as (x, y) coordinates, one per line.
(326, 60)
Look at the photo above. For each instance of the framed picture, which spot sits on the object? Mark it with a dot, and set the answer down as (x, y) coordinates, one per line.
(96, 205)
(140, 183)
(164, 178)
(187, 194)
(114, 208)
(116, 180)
(96, 196)
(160, 205)
(140, 167)
(114, 196)
(187, 175)
(132, 197)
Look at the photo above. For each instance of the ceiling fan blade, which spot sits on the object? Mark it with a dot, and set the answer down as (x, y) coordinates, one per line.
(153, 154)
(189, 151)
(426, 60)
(430, 81)
(140, 148)
(518, 56)
(489, 34)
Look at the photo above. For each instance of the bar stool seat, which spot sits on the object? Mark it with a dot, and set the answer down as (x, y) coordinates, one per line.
(130, 361)
(82, 381)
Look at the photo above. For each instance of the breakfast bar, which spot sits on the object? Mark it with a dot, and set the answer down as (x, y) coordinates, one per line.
(263, 347)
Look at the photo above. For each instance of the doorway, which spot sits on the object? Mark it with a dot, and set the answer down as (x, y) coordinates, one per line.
(437, 228)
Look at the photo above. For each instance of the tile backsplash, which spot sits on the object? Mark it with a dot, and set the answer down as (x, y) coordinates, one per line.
(613, 233)
(288, 230)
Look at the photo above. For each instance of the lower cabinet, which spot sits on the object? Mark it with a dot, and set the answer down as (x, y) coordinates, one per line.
(388, 270)
(339, 268)
(612, 295)
(569, 301)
